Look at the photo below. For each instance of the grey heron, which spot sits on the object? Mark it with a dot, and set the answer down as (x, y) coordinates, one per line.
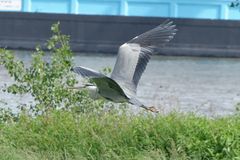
(131, 62)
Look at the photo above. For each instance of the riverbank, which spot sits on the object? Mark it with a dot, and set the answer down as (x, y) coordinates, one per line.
(67, 135)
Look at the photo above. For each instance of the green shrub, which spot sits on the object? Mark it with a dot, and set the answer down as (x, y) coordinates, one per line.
(234, 4)
(48, 81)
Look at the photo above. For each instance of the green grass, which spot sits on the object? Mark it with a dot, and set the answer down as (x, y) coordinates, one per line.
(64, 135)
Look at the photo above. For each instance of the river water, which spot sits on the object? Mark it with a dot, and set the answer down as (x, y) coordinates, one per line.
(206, 86)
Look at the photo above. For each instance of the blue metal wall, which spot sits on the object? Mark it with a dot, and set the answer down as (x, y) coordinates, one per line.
(210, 9)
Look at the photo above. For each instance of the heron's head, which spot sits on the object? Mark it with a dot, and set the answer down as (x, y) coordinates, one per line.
(93, 91)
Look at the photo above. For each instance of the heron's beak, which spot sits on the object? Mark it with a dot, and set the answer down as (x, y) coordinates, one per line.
(77, 87)
(81, 87)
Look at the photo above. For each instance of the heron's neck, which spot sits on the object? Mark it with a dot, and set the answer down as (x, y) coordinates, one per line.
(93, 92)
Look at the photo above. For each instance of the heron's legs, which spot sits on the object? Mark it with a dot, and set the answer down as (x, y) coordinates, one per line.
(152, 109)
(136, 102)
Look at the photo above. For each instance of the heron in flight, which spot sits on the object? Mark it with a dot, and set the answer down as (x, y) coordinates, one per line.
(131, 62)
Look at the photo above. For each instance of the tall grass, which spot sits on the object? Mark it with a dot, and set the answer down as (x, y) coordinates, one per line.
(66, 135)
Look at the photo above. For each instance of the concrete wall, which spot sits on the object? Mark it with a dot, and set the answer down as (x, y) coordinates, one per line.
(207, 9)
(103, 34)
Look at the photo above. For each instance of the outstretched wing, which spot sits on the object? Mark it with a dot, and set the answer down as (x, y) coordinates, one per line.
(157, 36)
(134, 55)
(87, 72)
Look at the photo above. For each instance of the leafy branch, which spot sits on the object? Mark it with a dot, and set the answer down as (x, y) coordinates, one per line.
(47, 82)
(235, 4)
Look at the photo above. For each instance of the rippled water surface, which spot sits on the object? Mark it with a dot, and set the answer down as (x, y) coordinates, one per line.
(208, 86)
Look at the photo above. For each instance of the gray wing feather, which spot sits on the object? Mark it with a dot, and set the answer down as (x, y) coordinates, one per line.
(143, 59)
(134, 55)
(157, 36)
(87, 72)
